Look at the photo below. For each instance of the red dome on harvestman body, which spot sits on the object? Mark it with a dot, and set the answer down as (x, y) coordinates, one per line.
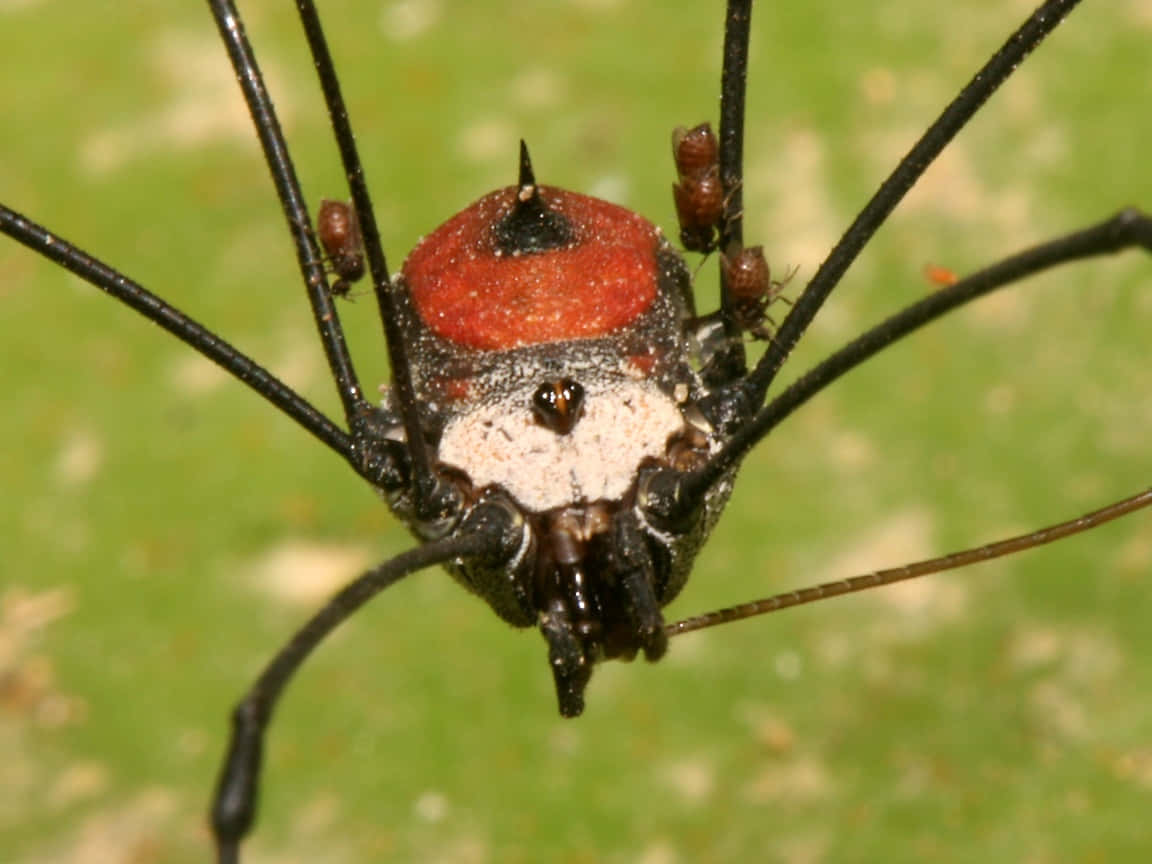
(470, 288)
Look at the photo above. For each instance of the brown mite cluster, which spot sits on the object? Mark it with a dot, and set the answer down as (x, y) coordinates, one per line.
(699, 194)
(339, 233)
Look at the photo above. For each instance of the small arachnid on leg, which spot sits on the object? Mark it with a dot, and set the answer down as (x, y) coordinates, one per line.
(752, 288)
(338, 230)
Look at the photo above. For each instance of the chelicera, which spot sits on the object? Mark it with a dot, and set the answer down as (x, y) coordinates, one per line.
(564, 426)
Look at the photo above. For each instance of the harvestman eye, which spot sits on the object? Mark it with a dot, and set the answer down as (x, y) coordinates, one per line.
(563, 427)
(558, 404)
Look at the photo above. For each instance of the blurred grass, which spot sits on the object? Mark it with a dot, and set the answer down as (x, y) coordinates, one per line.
(1000, 713)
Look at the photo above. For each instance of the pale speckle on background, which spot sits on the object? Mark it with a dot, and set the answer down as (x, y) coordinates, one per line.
(80, 458)
(1056, 707)
(409, 19)
(487, 139)
(1135, 555)
(693, 778)
(793, 181)
(801, 778)
(927, 600)
(539, 87)
(1004, 311)
(767, 727)
(1135, 766)
(788, 195)
(17, 5)
(1092, 656)
(459, 850)
(304, 573)
(121, 831)
(1000, 400)
(788, 665)
(804, 847)
(24, 612)
(851, 451)
(79, 781)
(565, 739)
(611, 187)
(194, 743)
(597, 5)
(204, 106)
(318, 815)
(658, 852)
(1075, 666)
(431, 807)
(953, 187)
(836, 649)
(878, 85)
(900, 538)
(921, 605)
(1034, 646)
(193, 374)
(300, 370)
(696, 650)
(1140, 13)
(29, 691)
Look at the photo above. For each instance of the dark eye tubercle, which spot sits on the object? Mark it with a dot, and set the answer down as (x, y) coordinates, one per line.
(558, 404)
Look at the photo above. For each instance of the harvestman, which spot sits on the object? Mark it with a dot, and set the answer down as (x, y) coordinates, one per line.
(639, 410)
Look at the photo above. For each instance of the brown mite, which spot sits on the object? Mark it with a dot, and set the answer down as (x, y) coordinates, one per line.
(558, 404)
(694, 150)
(699, 194)
(941, 277)
(752, 288)
(699, 209)
(339, 233)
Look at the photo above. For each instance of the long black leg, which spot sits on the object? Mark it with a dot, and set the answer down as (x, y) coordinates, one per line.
(292, 201)
(238, 365)
(428, 494)
(733, 88)
(1003, 63)
(1127, 229)
(490, 533)
(879, 578)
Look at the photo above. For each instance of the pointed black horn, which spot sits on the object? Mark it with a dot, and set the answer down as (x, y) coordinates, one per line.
(531, 226)
(527, 177)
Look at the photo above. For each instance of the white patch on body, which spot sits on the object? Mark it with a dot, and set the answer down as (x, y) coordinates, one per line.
(500, 442)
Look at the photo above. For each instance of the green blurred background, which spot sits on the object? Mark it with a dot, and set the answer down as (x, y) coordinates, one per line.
(163, 529)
